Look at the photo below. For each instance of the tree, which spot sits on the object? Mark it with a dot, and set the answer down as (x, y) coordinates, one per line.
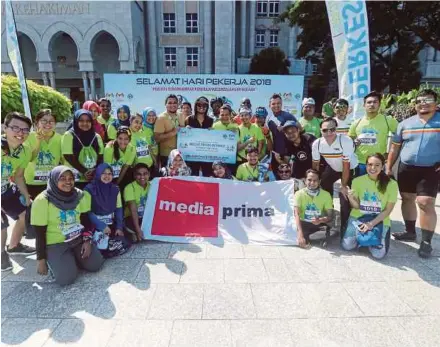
(39, 97)
(398, 31)
(270, 61)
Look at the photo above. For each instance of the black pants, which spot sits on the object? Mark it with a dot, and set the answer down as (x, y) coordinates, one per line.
(328, 178)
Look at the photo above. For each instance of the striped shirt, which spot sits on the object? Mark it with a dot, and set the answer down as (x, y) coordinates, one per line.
(420, 141)
(341, 150)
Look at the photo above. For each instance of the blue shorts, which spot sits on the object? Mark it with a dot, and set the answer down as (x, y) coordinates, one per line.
(11, 204)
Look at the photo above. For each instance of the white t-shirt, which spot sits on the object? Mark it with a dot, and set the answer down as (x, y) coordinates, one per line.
(343, 126)
(342, 149)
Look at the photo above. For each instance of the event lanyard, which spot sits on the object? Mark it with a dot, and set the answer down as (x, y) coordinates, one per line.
(250, 172)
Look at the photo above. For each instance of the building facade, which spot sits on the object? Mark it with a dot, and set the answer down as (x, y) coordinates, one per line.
(70, 45)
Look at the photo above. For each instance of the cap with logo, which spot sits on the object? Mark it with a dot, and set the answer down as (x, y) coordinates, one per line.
(308, 101)
(261, 112)
(244, 110)
(289, 124)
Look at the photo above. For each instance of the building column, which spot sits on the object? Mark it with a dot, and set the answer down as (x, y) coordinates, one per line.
(252, 14)
(92, 77)
(292, 42)
(52, 79)
(152, 44)
(243, 28)
(85, 85)
(207, 39)
(45, 78)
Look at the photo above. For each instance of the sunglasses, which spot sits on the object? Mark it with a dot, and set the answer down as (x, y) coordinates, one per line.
(340, 107)
(329, 130)
(425, 101)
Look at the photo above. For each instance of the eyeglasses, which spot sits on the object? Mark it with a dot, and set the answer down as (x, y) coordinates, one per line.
(329, 130)
(17, 129)
(45, 122)
(425, 101)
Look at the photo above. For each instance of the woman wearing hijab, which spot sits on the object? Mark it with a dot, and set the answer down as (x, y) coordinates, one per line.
(123, 119)
(63, 228)
(176, 166)
(95, 111)
(82, 147)
(142, 139)
(221, 170)
(106, 213)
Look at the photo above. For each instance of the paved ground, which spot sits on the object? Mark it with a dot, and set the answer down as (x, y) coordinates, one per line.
(200, 295)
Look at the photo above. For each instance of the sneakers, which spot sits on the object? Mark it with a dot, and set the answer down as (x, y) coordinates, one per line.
(425, 250)
(21, 249)
(406, 236)
(6, 262)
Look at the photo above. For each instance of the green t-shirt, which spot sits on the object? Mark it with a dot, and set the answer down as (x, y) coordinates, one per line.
(370, 199)
(125, 158)
(87, 157)
(104, 122)
(245, 133)
(247, 173)
(62, 225)
(143, 142)
(373, 135)
(312, 126)
(49, 156)
(16, 159)
(134, 192)
(220, 126)
(311, 207)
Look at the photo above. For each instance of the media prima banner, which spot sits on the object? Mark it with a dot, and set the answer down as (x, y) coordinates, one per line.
(198, 209)
(141, 90)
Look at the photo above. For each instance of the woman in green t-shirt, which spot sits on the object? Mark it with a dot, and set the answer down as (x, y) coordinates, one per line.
(63, 228)
(143, 141)
(372, 197)
(45, 144)
(82, 147)
(120, 155)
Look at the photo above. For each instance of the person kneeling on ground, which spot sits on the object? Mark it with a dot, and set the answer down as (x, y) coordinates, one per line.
(106, 213)
(313, 209)
(221, 170)
(135, 196)
(372, 197)
(64, 237)
(176, 166)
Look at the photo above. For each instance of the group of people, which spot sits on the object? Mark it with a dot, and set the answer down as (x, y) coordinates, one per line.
(86, 190)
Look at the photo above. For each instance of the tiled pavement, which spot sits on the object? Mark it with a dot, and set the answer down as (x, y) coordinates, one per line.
(202, 295)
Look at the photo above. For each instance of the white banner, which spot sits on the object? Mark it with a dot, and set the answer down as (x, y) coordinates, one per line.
(199, 209)
(349, 28)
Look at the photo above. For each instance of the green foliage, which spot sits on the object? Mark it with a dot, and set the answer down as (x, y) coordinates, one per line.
(39, 96)
(270, 61)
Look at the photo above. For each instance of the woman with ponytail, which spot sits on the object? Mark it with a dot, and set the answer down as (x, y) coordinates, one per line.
(120, 155)
(372, 198)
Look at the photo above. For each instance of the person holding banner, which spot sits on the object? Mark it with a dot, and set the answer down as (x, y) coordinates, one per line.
(135, 197)
(200, 120)
(15, 197)
(249, 171)
(333, 155)
(142, 137)
(105, 118)
(309, 123)
(166, 128)
(313, 209)
(372, 197)
(120, 154)
(221, 170)
(82, 147)
(176, 166)
(63, 228)
(340, 111)
(122, 119)
(372, 132)
(249, 134)
(45, 144)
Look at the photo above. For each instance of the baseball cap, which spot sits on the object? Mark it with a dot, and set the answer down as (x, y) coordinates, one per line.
(244, 110)
(308, 101)
(290, 123)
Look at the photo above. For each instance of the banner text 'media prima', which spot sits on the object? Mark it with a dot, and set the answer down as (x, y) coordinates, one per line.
(200, 209)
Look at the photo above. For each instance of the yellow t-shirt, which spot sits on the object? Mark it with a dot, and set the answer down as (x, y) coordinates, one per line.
(49, 156)
(311, 207)
(220, 126)
(125, 158)
(62, 225)
(88, 158)
(134, 192)
(246, 133)
(17, 159)
(143, 142)
(164, 124)
(247, 173)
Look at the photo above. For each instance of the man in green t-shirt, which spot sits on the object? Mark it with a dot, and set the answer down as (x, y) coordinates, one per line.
(15, 197)
(313, 209)
(309, 122)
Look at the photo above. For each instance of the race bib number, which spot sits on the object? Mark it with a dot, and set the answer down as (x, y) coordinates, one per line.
(368, 139)
(5, 186)
(72, 231)
(41, 175)
(142, 151)
(369, 207)
(310, 215)
(116, 170)
(107, 219)
(141, 209)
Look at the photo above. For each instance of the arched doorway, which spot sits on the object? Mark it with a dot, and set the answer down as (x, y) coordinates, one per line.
(64, 54)
(105, 54)
(29, 58)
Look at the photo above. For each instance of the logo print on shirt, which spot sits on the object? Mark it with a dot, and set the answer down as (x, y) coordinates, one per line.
(67, 217)
(45, 158)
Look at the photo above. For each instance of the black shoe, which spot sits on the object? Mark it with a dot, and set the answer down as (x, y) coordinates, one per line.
(21, 250)
(425, 250)
(6, 262)
(406, 236)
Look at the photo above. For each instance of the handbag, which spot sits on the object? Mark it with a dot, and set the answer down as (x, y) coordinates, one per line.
(372, 237)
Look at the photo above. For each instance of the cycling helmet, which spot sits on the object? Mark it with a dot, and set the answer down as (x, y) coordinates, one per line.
(261, 112)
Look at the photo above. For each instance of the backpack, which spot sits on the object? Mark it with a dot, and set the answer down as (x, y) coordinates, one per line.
(87, 156)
